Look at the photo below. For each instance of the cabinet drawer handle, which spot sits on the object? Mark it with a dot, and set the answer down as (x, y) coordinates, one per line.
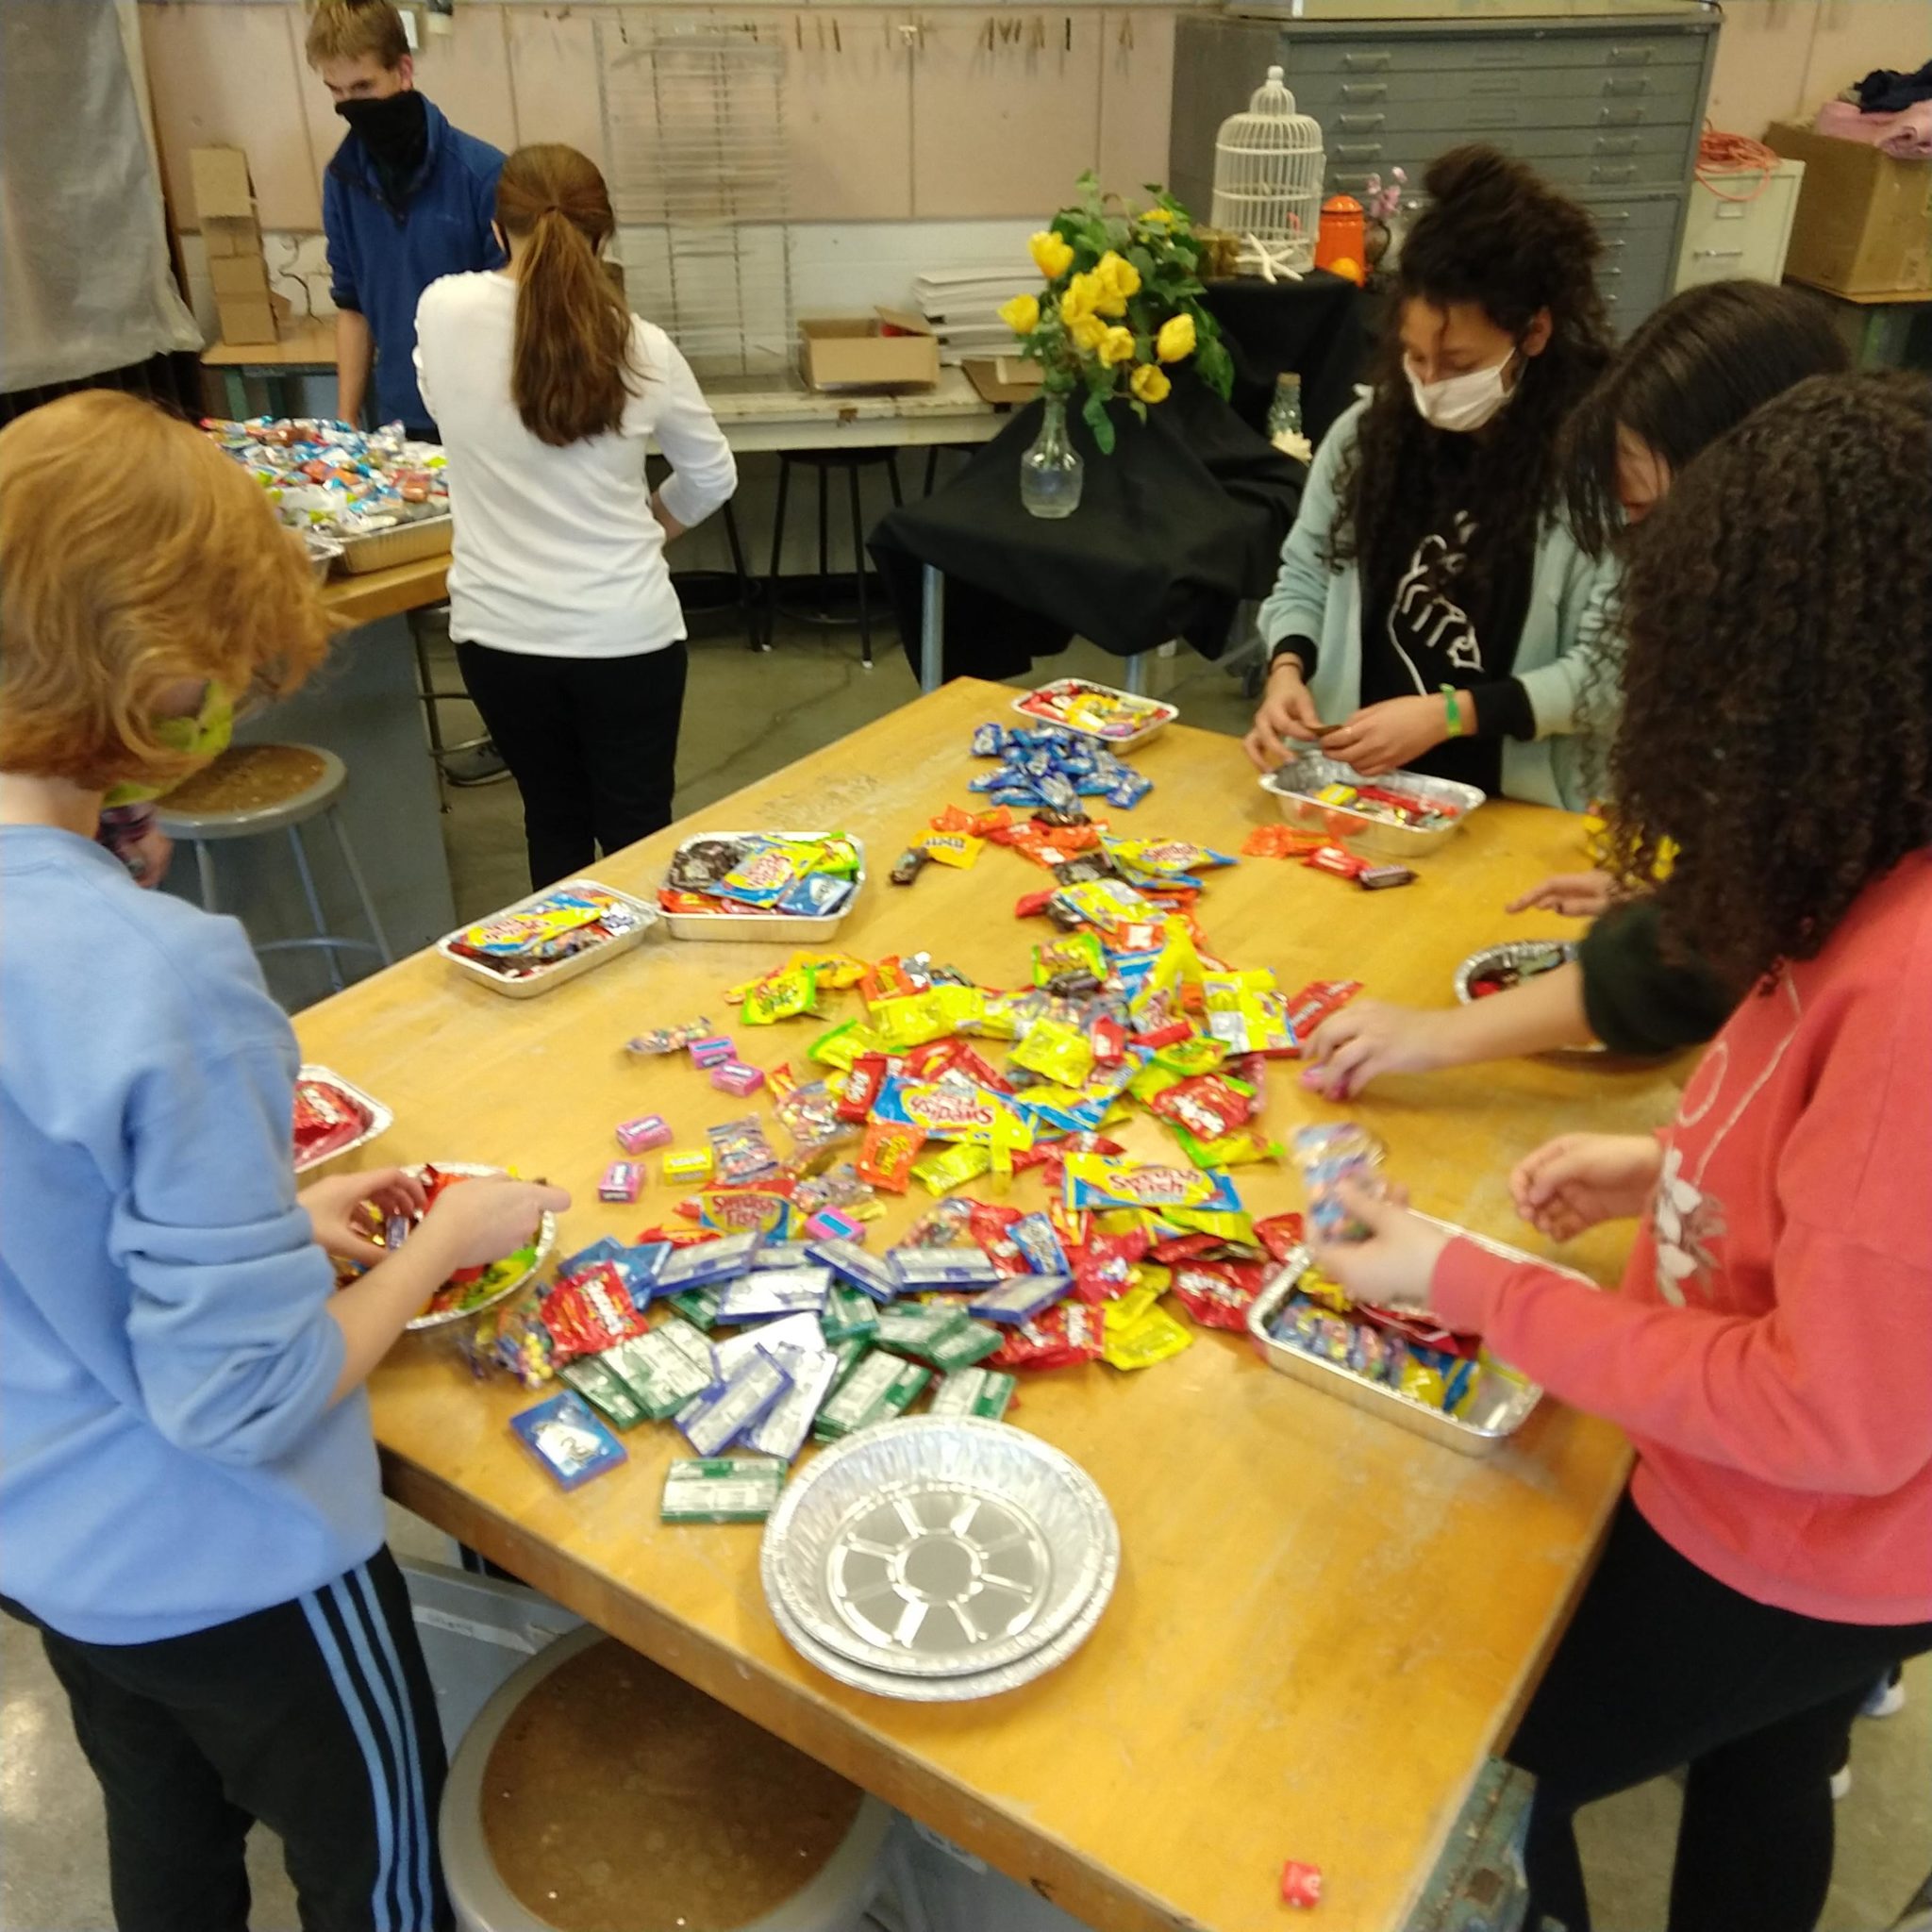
(1365, 91)
(1358, 151)
(1632, 57)
(1502, 114)
(1376, 61)
(1715, 254)
(1627, 84)
(1359, 123)
(1616, 145)
(1626, 173)
(1619, 117)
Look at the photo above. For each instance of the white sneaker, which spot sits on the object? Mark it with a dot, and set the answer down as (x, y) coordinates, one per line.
(1840, 1783)
(1887, 1699)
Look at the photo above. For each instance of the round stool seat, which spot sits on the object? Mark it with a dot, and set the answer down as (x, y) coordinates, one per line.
(597, 1792)
(251, 789)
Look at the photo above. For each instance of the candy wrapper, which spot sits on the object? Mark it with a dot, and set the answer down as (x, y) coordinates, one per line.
(712, 1423)
(1062, 1338)
(1095, 1182)
(987, 1393)
(1137, 1340)
(704, 1264)
(721, 1489)
(606, 1392)
(565, 922)
(850, 1262)
(330, 1117)
(741, 1151)
(568, 1440)
(1330, 1158)
(669, 1039)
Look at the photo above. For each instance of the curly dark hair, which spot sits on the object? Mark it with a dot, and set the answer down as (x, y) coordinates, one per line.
(1497, 235)
(1697, 367)
(1777, 714)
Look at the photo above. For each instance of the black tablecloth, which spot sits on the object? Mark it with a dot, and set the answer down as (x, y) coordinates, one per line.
(1180, 525)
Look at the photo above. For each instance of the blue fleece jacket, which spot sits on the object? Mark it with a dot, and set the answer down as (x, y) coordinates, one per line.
(168, 1456)
(381, 257)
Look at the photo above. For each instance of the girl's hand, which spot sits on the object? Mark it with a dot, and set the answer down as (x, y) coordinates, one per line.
(1365, 1039)
(487, 1218)
(345, 1209)
(1287, 710)
(1392, 1269)
(1379, 738)
(1577, 1180)
(1573, 894)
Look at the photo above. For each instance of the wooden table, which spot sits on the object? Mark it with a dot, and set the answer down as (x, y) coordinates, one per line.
(791, 417)
(1322, 1623)
(306, 348)
(363, 598)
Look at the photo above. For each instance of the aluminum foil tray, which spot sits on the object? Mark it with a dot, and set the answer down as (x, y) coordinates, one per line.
(1293, 785)
(766, 926)
(546, 1243)
(939, 1550)
(1502, 1404)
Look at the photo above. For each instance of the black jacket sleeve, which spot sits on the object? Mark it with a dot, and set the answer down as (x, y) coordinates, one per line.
(1637, 1000)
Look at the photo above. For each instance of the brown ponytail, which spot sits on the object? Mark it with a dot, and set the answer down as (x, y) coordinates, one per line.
(571, 368)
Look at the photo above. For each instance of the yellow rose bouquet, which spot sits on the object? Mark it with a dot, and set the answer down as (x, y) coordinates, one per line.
(1123, 298)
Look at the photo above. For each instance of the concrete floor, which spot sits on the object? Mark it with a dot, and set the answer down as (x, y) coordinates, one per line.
(745, 716)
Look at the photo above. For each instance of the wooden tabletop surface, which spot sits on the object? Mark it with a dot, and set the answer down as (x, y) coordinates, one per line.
(363, 598)
(309, 343)
(1322, 1624)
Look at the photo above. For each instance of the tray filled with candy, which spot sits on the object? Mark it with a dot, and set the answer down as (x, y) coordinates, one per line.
(553, 935)
(384, 497)
(1399, 1366)
(1122, 718)
(332, 1116)
(761, 885)
(1399, 815)
(470, 1291)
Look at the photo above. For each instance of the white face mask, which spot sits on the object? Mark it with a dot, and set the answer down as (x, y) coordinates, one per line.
(1461, 403)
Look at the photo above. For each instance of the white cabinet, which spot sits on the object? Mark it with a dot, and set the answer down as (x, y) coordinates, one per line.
(1728, 235)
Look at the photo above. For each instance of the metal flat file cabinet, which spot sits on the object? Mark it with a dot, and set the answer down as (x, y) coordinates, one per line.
(1608, 106)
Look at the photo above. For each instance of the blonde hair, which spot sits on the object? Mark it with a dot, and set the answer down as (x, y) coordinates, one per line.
(134, 557)
(571, 367)
(346, 29)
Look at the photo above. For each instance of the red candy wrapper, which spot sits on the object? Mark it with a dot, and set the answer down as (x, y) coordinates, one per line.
(1300, 1884)
(1063, 1336)
(1333, 858)
(590, 1311)
(1207, 1104)
(1279, 1234)
(1217, 1293)
(1316, 1001)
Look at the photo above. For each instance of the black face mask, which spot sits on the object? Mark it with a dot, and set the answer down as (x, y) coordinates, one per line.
(394, 129)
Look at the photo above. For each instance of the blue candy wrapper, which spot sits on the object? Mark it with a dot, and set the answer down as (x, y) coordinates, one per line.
(568, 1440)
(712, 1423)
(766, 1292)
(702, 1265)
(1033, 1235)
(923, 1268)
(818, 895)
(1019, 1298)
(851, 1262)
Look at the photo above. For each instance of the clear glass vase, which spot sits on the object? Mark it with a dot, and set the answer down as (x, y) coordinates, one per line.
(1052, 472)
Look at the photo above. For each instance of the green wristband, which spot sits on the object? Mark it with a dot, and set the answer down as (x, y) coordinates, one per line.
(1453, 706)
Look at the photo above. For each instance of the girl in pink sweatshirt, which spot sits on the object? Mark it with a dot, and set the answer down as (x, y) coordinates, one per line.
(1771, 1349)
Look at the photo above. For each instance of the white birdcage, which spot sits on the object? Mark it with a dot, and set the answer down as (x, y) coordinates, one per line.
(1268, 181)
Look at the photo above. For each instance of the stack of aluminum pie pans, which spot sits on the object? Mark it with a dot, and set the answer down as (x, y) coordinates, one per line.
(940, 1558)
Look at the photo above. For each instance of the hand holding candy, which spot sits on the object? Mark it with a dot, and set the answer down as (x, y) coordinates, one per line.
(1366, 1040)
(1393, 1266)
(338, 1210)
(1573, 894)
(1287, 711)
(1382, 738)
(1577, 1180)
(487, 1218)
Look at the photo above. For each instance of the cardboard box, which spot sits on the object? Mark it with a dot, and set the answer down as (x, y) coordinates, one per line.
(239, 275)
(244, 320)
(222, 186)
(1864, 220)
(225, 235)
(888, 349)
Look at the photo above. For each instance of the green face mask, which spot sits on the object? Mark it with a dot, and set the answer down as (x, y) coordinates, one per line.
(202, 737)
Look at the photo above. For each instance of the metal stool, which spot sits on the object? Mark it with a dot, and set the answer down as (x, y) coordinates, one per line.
(540, 1797)
(851, 462)
(273, 788)
(433, 620)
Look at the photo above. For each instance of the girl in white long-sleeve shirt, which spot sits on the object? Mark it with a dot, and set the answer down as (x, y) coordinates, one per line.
(568, 632)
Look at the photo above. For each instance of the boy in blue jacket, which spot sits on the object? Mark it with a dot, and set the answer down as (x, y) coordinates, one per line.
(406, 199)
(189, 1501)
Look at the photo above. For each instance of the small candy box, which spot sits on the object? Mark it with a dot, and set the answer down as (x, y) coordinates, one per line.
(734, 1077)
(688, 1166)
(854, 1401)
(712, 1423)
(640, 1134)
(850, 1262)
(800, 1333)
(849, 1311)
(624, 1180)
(704, 1264)
(834, 1224)
(784, 1427)
(713, 1052)
(766, 1292)
(721, 1489)
(604, 1390)
(925, 1268)
(984, 1392)
(1019, 1298)
(568, 1440)
(662, 1373)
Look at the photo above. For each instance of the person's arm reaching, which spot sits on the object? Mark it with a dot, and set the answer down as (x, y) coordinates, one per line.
(355, 358)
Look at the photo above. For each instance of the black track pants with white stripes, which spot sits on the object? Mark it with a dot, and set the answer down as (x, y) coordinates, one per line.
(315, 1717)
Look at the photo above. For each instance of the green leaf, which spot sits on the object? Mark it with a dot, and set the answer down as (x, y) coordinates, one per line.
(1216, 367)
(1094, 411)
(1143, 262)
(1138, 408)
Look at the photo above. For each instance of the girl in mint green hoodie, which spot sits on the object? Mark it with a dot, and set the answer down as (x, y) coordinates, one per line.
(1433, 610)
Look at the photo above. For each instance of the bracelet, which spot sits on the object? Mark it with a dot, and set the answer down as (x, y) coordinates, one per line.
(1453, 706)
(1285, 654)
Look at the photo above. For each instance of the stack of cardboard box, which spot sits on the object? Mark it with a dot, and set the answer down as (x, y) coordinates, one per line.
(231, 238)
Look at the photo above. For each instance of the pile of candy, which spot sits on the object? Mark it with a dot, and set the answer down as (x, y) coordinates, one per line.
(1388, 803)
(468, 1287)
(810, 877)
(1320, 854)
(327, 477)
(1096, 709)
(564, 922)
(331, 1117)
(1052, 768)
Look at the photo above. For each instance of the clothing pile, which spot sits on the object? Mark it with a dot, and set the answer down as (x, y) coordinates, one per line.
(1886, 110)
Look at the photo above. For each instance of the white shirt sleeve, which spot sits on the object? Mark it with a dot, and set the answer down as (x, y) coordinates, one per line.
(423, 316)
(703, 473)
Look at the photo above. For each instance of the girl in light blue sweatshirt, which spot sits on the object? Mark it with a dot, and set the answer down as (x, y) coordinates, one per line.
(189, 1500)
(1432, 606)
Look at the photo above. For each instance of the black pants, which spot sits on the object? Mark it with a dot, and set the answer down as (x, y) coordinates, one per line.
(315, 1717)
(592, 742)
(1665, 1666)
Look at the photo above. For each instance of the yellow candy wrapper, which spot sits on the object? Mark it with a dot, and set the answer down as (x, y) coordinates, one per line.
(959, 849)
(908, 1020)
(1156, 1337)
(1079, 952)
(952, 1166)
(839, 1045)
(787, 995)
(1056, 1050)
(1224, 1223)
(833, 972)
(1132, 1306)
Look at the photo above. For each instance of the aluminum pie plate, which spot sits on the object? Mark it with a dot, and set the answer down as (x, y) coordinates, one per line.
(1513, 952)
(939, 1548)
(546, 1242)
